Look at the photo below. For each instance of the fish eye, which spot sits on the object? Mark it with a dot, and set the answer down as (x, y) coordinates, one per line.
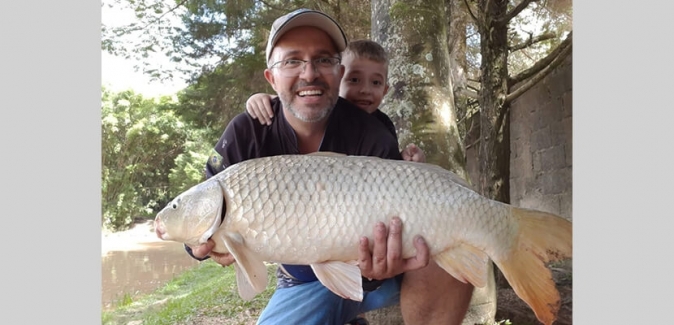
(174, 205)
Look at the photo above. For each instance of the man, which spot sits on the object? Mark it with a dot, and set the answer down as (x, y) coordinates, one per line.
(304, 70)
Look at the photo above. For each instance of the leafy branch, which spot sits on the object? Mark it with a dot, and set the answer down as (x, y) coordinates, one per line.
(561, 52)
(123, 31)
(532, 41)
(514, 12)
(541, 64)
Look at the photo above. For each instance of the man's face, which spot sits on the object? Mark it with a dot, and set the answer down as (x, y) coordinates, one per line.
(364, 82)
(311, 95)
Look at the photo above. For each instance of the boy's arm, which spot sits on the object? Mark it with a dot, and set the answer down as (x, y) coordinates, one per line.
(259, 107)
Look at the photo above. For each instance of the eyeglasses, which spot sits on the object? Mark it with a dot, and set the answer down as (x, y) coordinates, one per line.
(293, 67)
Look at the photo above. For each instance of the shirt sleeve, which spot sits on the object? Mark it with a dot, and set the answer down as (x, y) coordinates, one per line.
(237, 143)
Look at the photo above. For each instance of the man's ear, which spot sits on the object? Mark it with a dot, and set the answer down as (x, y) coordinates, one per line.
(385, 89)
(270, 78)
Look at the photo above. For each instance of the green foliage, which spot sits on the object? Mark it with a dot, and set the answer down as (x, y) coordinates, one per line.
(141, 139)
(189, 166)
(219, 95)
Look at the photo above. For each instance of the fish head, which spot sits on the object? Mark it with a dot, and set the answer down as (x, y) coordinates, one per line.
(193, 216)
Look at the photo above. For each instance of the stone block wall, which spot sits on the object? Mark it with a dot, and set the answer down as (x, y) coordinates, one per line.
(541, 144)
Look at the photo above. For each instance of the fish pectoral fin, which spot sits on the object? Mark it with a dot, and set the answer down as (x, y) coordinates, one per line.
(251, 273)
(344, 279)
(246, 290)
(466, 263)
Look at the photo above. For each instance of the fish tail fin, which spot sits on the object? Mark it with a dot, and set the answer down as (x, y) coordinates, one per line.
(542, 238)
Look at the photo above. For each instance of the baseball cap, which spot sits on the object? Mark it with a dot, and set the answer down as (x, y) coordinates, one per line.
(306, 17)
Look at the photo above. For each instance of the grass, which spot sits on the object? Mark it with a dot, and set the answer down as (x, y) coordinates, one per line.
(206, 291)
(206, 294)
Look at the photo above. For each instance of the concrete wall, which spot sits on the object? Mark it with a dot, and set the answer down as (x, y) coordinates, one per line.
(541, 144)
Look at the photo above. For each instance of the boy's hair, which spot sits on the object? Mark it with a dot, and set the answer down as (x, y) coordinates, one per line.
(367, 49)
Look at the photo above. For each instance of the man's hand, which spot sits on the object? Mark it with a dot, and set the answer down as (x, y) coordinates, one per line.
(205, 249)
(386, 259)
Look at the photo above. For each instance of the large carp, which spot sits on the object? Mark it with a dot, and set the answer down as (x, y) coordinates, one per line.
(312, 210)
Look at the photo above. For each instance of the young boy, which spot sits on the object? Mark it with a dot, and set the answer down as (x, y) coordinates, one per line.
(364, 84)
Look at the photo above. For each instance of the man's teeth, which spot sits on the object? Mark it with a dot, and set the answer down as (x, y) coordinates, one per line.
(310, 93)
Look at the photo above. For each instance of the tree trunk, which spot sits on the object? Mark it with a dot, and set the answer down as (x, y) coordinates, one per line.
(458, 22)
(457, 44)
(421, 103)
(493, 153)
(420, 100)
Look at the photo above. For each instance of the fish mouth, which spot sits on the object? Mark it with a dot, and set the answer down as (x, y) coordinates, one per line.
(159, 229)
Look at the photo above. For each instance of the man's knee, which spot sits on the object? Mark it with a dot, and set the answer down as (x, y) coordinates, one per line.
(433, 278)
(431, 295)
(432, 290)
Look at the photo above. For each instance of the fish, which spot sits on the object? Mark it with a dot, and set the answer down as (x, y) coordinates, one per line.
(313, 209)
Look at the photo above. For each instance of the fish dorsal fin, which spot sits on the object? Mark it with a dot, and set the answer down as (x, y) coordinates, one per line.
(466, 263)
(326, 154)
(344, 279)
(251, 273)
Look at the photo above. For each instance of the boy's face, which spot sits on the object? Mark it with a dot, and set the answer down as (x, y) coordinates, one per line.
(364, 82)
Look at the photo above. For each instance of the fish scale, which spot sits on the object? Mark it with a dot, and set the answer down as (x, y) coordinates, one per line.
(313, 209)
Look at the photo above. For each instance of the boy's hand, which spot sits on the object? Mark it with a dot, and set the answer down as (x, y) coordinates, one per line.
(413, 153)
(259, 107)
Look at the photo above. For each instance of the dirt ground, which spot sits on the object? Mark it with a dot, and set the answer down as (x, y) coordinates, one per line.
(509, 306)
